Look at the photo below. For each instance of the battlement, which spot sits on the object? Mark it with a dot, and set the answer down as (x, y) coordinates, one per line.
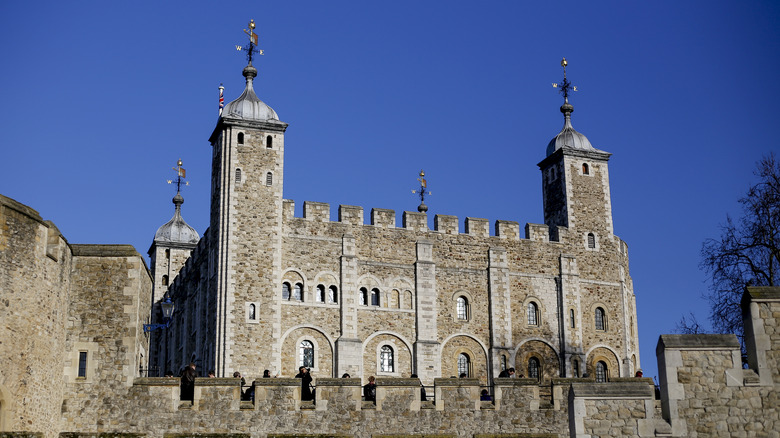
(319, 212)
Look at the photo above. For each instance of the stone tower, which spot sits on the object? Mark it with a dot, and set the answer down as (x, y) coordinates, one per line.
(246, 230)
(172, 245)
(578, 212)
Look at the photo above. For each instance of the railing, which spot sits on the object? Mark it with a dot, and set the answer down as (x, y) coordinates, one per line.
(149, 372)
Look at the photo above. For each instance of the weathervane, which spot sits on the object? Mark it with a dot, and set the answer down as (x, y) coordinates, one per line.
(565, 86)
(180, 174)
(250, 48)
(422, 191)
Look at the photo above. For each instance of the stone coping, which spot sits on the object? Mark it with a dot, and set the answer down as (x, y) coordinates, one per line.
(94, 250)
(393, 381)
(99, 435)
(632, 390)
(697, 342)
(564, 381)
(333, 381)
(511, 381)
(206, 435)
(307, 435)
(645, 380)
(278, 381)
(157, 381)
(217, 381)
(430, 435)
(761, 293)
(516, 435)
(457, 382)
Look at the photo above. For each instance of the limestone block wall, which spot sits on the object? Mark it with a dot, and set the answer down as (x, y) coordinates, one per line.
(111, 290)
(35, 265)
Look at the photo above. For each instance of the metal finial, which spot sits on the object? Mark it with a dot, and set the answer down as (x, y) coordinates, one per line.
(565, 86)
(250, 48)
(421, 192)
(180, 175)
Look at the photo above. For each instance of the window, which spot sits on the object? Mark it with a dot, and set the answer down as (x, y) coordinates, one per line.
(374, 297)
(463, 305)
(238, 176)
(82, 364)
(386, 361)
(585, 169)
(320, 293)
(464, 364)
(533, 368)
(571, 317)
(165, 280)
(298, 292)
(363, 297)
(533, 314)
(575, 365)
(601, 320)
(252, 312)
(333, 295)
(307, 354)
(269, 179)
(285, 291)
(240, 138)
(591, 240)
(503, 362)
(601, 372)
(269, 142)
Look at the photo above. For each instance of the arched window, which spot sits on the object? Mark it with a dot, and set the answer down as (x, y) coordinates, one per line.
(240, 138)
(168, 254)
(298, 292)
(601, 371)
(463, 308)
(397, 298)
(320, 293)
(238, 176)
(503, 362)
(533, 368)
(363, 296)
(571, 317)
(585, 169)
(165, 280)
(252, 312)
(601, 320)
(285, 291)
(374, 297)
(575, 366)
(533, 314)
(591, 240)
(269, 179)
(269, 142)
(306, 354)
(464, 365)
(333, 294)
(386, 359)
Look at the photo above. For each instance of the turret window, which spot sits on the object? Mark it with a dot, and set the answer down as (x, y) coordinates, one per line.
(252, 312)
(269, 142)
(238, 176)
(269, 179)
(591, 241)
(240, 138)
(165, 280)
(571, 318)
(585, 169)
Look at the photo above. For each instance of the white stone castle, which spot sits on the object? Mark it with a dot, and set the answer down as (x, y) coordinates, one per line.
(263, 289)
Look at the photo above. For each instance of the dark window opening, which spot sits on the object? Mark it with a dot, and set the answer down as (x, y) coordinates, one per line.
(83, 364)
(269, 142)
(240, 138)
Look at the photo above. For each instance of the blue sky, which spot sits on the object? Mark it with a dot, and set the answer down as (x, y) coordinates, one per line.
(102, 98)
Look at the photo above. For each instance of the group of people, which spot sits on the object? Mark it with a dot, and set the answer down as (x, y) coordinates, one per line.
(308, 392)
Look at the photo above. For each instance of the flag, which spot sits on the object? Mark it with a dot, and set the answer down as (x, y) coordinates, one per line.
(253, 37)
(221, 99)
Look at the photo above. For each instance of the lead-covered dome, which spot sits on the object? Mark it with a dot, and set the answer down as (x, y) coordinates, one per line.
(176, 230)
(248, 106)
(568, 136)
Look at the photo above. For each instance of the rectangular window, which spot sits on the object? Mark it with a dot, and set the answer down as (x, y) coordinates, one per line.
(83, 364)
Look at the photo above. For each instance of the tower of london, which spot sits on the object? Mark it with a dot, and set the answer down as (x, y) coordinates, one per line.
(363, 295)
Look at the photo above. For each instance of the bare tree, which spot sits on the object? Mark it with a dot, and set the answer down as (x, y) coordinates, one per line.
(748, 250)
(689, 325)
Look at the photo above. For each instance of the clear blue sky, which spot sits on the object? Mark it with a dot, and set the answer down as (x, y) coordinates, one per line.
(102, 98)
